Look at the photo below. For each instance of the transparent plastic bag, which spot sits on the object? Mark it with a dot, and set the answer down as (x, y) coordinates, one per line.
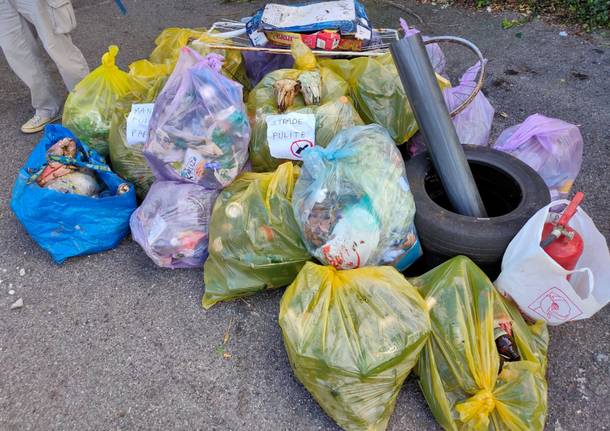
(353, 202)
(90, 105)
(199, 131)
(255, 243)
(128, 160)
(171, 225)
(378, 94)
(552, 147)
(152, 78)
(461, 374)
(352, 337)
(333, 113)
(473, 124)
(169, 42)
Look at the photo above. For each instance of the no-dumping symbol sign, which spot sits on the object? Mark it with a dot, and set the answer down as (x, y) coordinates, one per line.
(289, 135)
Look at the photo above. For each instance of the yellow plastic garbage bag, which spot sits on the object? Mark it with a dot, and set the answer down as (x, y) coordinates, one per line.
(352, 338)
(127, 159)
(460, 370)
(91, 104)
(255, 243)
(169, 42)
(333, 113)
(151, 77)
(378, 94)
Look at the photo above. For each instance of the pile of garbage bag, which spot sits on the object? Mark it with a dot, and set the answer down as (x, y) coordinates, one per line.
(93, 101)
(255, 242)
(68, 200)
(327, 211)
(353, 203)
(352, 338)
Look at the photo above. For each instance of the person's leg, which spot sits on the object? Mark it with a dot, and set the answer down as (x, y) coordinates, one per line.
(24, 57)
(69, 60)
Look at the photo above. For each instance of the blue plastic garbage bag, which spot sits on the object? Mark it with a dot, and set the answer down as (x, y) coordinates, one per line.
(66, 224)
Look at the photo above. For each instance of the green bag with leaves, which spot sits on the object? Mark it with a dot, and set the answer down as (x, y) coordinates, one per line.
(255, 243)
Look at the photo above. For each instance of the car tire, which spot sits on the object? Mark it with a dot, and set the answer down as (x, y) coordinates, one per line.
(511, 191)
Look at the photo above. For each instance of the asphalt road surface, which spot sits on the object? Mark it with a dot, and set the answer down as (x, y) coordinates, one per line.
(110, 341)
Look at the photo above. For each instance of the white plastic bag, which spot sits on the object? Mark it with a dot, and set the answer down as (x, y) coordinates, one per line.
(540, 286)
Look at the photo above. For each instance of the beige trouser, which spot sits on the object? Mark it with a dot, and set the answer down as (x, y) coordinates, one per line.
(53, 21)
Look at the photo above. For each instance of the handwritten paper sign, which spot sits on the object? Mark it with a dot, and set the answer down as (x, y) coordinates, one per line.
(137, 123)
(290, 134)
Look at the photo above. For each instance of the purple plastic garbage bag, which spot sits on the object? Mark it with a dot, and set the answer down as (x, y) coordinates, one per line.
(199, 130)
(435, 53)
(473, 124)
(258, 64)
(552, 147)
(171, 225)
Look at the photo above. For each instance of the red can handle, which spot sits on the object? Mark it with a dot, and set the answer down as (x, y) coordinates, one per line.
(570, 210)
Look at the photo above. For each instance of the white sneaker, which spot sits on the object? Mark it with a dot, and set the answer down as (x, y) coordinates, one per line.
(37, 123)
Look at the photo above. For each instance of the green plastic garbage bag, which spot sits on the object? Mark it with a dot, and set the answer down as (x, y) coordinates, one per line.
(378, 94)
(255, 243)
(333, 113)
(459, 366)
(352, 338)
(128, 160)
(94, 100)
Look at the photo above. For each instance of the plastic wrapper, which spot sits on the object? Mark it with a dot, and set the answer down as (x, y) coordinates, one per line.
(90, 105)
(352, 337)
(255, 243)
(171, 225)
(333, 112)
(552, 147)
(199, 130)
(378, 94)
(353, 202)
(473, 124)
(66, 223)
(464, 381)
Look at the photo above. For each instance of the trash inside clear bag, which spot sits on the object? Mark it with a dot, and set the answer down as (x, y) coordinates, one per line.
(460, 370)
(255, 242)
(199, 131)
(90, 105)
(352, 337)
(353, 202)
(171, 225)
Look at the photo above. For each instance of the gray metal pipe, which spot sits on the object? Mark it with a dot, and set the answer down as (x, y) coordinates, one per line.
(426, 99)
